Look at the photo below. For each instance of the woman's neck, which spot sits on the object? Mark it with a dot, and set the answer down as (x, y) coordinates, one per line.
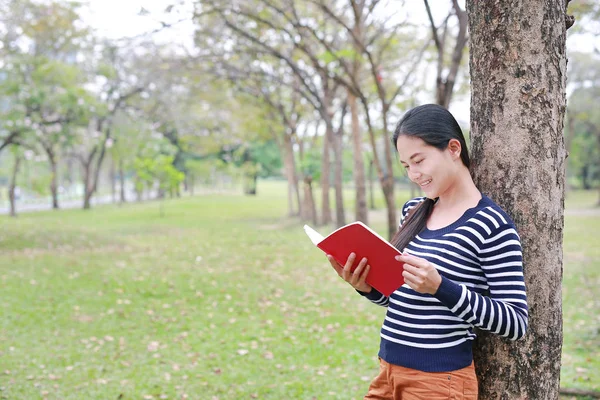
(461, 193)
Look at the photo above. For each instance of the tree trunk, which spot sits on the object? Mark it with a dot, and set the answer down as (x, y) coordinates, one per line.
(309, 209)
(340, 218)
(518, 75)
(360, 208)
(191, 183)
(13, 186)
(387, 187)
(10, 139)
(291, 175)
(371, 189)
(93, 178)
(87, 199)
(415, 190)
(361, 212)
(113, 180)
(445, 84)
(53, 178)
(325, 171)
(387, 182)
(385, 171)
(87, 194)
(122, 196)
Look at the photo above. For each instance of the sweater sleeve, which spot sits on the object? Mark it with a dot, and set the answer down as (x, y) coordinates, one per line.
(375, 297)
(504, 311)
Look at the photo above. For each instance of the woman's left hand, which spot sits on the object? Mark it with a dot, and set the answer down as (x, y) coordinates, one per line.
(420, 274)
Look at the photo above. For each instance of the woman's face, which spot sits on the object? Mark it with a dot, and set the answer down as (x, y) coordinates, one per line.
(432, 169)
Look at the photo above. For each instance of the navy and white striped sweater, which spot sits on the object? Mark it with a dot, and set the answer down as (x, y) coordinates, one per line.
(480, 260)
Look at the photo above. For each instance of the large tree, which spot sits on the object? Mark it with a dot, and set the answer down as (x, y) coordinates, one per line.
(518, 75)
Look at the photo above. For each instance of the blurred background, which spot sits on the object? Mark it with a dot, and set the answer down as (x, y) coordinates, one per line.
(158, 159)
(106, 101)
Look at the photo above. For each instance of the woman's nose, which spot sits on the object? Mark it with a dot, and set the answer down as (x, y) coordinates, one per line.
(412, 175)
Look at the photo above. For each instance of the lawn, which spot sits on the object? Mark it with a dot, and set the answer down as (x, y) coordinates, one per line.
(222, 297)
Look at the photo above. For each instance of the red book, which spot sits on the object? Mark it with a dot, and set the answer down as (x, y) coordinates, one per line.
(385, 274)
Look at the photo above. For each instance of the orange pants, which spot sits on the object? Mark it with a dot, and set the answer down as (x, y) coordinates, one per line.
(395, 383)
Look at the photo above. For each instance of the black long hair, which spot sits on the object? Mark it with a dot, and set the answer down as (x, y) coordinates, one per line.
(435, 126)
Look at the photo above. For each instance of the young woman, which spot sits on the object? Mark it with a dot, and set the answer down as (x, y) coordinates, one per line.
(462, 265)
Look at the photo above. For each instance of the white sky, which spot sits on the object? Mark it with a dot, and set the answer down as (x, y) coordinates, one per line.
(121, 18)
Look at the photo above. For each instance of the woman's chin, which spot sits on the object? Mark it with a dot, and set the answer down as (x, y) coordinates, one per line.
(429, 191)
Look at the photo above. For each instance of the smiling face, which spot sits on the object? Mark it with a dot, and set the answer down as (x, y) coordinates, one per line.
(434, 170)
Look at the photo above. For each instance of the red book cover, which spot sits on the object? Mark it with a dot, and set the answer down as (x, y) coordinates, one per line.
(385, 274)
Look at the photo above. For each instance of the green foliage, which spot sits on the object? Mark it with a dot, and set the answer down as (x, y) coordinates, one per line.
(42, 88)
(348, 54)
(202, 170)
(40, 183)
(310, 165)
(159, 170)
(268, 157)
(583, 128)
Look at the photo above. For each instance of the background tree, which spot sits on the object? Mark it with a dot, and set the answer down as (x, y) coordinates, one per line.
(447, 72)
(117, 86)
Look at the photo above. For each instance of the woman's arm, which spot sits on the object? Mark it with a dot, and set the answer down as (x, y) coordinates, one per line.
(504, 311)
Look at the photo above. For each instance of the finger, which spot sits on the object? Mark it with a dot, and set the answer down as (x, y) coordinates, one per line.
(416, 261)
(412, 281)
(346, 274)
(350, 262)
(412, 277)
(358, 270)
(363, 277)
(416, 271)
(336, 266)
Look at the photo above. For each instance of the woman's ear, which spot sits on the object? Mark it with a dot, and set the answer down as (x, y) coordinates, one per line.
(455, 148)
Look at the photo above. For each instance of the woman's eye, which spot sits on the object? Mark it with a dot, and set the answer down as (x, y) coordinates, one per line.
(418, 162)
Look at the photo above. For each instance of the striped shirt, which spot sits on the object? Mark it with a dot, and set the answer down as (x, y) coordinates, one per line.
(480, 261)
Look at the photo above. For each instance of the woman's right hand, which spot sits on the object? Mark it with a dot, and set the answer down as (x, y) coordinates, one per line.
(356, 278)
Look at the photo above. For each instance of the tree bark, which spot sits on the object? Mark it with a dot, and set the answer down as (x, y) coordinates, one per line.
(10, 139)
(325, 171)
(335, 142)
(361, 212)
(93, 185)
(122, 196)
(360, 209)
(86, 163)
(340, 215)
(53, 178)
(371, 189)
(13, 186)
(518, 75)
(386, 177)
(309, 210)
(291, 175)
(113, 180)
(87, 196)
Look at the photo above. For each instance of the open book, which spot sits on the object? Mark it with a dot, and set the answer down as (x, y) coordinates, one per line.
(385, 274)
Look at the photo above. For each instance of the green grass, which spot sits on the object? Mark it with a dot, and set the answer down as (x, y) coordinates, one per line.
(222, 297)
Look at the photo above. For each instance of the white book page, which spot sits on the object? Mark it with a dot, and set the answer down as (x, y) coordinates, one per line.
(314, 236)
